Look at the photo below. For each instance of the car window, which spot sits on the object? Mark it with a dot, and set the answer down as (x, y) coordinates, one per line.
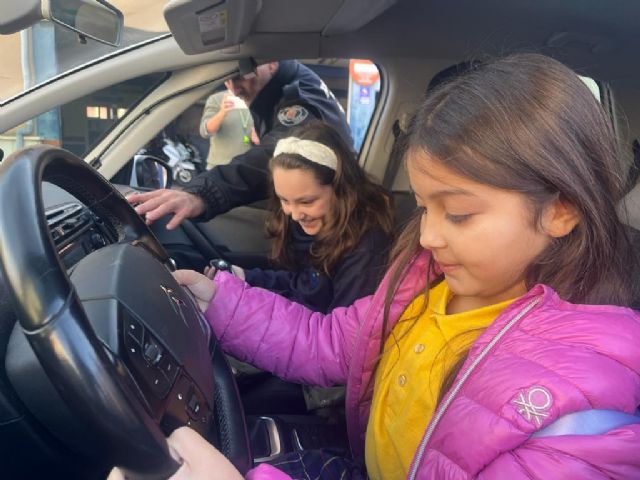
(79, 125)
(44, 51)
(364, 89)
(354, 83)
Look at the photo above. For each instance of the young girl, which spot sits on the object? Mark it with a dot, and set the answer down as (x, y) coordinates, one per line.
(499, 345)
(330, 224)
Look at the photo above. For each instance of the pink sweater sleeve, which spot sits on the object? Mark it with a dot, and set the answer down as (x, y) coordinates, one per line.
(283, 337)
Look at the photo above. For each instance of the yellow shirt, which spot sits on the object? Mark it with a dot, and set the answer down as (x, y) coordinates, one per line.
(416, 357)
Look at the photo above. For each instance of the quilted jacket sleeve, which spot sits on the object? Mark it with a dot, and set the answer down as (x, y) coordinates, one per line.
(613, 455)
(283, 337)
(266, 472)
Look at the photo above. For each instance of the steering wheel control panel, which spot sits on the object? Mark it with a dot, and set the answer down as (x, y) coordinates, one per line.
(76, 232)
(165, 386)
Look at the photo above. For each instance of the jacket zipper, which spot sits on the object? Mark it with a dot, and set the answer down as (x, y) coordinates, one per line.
(454, 391)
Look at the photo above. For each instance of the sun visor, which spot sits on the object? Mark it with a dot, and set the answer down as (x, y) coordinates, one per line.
(14, 16)
(200, 26)
(354, 14)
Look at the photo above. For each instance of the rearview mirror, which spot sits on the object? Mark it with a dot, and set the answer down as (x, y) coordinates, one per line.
(95, 19)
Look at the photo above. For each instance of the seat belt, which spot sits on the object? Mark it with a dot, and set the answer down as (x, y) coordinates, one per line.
(399, 130)
(395, 157)
(588, 422)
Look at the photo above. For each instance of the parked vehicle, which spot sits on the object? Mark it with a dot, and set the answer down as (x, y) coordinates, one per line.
(126, 355)
(183, 158)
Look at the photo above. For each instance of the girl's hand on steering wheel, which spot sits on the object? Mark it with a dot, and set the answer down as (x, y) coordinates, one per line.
(199, 460)
(202, 288)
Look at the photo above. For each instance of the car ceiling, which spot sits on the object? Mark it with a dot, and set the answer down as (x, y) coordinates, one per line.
(596, 37)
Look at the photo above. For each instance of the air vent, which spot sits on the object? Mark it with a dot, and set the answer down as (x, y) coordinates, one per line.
(67, 220)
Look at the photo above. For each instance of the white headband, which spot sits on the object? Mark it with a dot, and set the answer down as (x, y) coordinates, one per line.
(313, 151)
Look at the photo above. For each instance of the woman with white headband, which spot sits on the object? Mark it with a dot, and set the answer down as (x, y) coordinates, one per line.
(331, 230)
(329, 223)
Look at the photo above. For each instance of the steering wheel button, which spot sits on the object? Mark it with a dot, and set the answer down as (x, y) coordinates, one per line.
(169, 368)
(133, 328)
(159, 385)
(152, 352)
(193, 406)
(131, 344)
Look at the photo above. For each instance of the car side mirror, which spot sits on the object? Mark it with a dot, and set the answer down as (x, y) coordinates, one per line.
(150, 173)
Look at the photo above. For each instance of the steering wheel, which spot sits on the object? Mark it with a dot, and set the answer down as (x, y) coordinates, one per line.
(125, 347)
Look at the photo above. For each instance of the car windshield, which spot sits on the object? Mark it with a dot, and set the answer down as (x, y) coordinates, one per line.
(44, 51)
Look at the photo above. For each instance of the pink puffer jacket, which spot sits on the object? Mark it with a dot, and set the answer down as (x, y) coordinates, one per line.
(542, 358)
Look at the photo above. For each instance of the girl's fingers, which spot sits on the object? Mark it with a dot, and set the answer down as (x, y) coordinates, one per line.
(200, 460)
(199, 285)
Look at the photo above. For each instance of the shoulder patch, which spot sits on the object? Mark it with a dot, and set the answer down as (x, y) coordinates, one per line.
(293, 115)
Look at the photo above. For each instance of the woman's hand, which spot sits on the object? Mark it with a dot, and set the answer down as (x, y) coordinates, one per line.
(200, 286)
(199, 459)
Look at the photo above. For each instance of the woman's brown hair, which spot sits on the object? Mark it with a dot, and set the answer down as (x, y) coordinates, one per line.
(528, 124)
(358, 204)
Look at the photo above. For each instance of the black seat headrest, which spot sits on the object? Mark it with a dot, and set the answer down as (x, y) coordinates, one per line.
(452, 72)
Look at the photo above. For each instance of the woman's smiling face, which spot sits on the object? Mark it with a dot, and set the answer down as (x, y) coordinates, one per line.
(303, 198)
(482, 237)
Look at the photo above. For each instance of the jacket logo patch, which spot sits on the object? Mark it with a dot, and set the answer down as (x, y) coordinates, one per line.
(290, 116)
(533, 404)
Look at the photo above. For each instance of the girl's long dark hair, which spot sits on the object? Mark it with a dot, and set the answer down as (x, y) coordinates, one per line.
(528, 124)
(359, 205)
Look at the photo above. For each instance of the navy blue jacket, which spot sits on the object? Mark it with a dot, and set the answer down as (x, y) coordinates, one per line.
(293, 96)
(356, 275)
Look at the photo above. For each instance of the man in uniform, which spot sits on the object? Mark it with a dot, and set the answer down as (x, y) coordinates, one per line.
(280, 95)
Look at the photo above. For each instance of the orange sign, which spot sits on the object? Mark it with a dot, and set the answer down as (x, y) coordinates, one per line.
(363, 72)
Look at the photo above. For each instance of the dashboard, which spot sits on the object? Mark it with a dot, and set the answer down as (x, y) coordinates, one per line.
(76, 231)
